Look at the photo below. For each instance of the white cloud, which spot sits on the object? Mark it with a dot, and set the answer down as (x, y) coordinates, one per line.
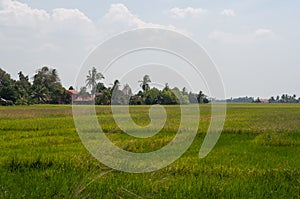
(119, 18)
(62, 14)
(59, 38)
(264, 33)
(226, 37)
(180, 13)
(228, 13)
(119, 13)
(14, 13)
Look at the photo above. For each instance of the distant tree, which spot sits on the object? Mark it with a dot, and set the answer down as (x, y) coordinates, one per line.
(23, 87)
(127, 90)
(184, 91)
(166, 88)
(153, 96)
(118, 96)
(104, 96)
(84, 93)
(183, 99)
(193, 98)
(145, 83)
(46, 87)
(100, 87)
(205, 100)
(257, 100)
(272, 100)
(92, 79)
(283, 98)
(116, 86)
(40, 94)
(136, 100)
(125, 94)
(8, 92)
(140, 93)
(201, 97)
(168, 97)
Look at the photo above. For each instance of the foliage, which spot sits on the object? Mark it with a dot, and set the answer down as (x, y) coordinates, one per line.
(145, 83)
(46, 87)
(181, 96)
(92, 79)
(8, 91)
(84, 93)
(23, 90)
(241, 99)
(285, 98)
(153, 96)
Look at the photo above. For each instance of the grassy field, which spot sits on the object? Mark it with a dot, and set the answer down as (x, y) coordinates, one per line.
(257, 156)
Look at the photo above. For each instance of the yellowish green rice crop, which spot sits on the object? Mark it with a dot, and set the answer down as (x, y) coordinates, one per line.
(257, 156)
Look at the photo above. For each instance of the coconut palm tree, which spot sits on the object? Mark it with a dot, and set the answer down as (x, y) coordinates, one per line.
(92, 78)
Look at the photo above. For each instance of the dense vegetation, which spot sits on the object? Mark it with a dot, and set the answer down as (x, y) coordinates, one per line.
(285, 98)
(257, 156)
(47, 89)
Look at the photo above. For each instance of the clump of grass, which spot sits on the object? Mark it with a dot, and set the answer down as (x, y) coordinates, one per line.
(17, 164)
(275, 139)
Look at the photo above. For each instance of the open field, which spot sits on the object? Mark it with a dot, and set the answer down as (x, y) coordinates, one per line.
(257, 156)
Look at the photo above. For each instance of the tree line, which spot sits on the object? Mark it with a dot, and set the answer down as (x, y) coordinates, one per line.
(46, 88)
(284, 98)
(147, 95)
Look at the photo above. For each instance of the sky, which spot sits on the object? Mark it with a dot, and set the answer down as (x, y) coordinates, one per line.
(253, 43)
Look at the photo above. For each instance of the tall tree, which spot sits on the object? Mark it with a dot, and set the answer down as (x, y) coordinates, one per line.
(200, 97)
(193, 98)
(47, 87)
(120, 96)
(116, 86)
(23, 87)
(183, 99)
(144, 84)
(8, 91)
(184, 91)
(127, 90)
(92, 79)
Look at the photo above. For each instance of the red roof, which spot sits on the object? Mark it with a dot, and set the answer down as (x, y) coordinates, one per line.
(264, 100)
(73, 92)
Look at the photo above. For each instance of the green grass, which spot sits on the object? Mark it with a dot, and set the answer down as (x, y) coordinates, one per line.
(257, 156)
